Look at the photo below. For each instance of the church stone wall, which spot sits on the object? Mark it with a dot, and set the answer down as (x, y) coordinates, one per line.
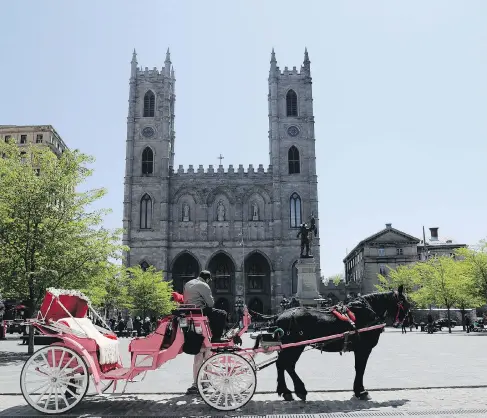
(202, 212)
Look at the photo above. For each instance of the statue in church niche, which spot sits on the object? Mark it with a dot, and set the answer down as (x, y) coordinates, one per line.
(185, 212)
(220, 211)
(306, 232)
(255, 212)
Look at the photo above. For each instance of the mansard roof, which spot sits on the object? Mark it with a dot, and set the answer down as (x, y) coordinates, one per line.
(377, 235)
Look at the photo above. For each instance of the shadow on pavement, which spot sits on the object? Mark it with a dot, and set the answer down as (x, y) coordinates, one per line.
(180, 406)
(10, 357)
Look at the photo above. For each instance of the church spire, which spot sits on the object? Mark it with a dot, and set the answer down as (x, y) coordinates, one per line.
(134, 64)
(273, 68)
(167, 64)
(306, 63)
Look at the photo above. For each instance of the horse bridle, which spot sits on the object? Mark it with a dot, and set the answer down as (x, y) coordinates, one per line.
(400, 307)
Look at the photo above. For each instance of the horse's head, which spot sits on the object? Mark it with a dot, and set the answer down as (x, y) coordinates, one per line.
(399, 306)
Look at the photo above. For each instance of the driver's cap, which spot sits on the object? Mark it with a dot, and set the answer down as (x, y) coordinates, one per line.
(205, 275)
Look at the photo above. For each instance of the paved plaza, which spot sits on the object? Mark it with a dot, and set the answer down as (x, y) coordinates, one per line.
(404, 374)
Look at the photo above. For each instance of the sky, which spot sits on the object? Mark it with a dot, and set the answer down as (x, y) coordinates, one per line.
(400, 97)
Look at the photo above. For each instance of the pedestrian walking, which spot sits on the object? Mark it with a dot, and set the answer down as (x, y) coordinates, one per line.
(467, 323)
(130, 326)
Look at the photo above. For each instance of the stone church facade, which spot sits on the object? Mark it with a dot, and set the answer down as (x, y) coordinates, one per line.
(184, 220)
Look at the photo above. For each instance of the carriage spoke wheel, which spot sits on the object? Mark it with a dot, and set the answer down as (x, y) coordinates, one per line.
(226, 381)
(54, 380)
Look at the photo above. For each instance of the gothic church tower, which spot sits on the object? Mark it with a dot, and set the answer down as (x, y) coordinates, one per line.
(149, 157)
(293, 158)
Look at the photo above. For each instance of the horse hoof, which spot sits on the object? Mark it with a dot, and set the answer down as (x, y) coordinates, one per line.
(288, 397)
(301, 396)
(364, 396)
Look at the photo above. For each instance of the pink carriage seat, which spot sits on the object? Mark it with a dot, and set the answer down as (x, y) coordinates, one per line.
(108, 347)
(59, 303)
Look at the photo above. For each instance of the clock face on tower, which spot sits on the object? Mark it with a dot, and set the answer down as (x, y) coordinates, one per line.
(293, 131)
(148, 132)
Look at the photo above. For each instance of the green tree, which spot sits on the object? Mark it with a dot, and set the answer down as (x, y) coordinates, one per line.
(50, 235)
(112, 292)
(336, 279)
(150, 293)
(444, 281)
(405, 275)
(476, 260)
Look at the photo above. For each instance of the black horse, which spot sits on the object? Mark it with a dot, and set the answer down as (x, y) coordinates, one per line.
(300, 324)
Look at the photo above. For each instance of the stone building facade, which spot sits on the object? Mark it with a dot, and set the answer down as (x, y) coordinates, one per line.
(388, 249)
(44, 135)
(241, 224)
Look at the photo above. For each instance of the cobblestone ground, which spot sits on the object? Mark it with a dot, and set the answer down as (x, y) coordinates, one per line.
(433, 402)
(411, 361)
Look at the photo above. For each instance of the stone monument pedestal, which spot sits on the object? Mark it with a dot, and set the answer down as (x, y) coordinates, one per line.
(307, 285)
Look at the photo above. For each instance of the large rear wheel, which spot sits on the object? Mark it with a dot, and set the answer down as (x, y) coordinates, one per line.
(54, 380)
(226, 381)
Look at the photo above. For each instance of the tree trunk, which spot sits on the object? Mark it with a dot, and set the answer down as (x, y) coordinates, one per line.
(463, 318)
(449, 322)
(30, 350)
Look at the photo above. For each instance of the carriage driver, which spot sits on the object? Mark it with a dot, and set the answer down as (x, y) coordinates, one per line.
(198, 292)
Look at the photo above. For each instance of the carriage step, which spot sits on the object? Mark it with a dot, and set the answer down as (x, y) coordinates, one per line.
(118, 372)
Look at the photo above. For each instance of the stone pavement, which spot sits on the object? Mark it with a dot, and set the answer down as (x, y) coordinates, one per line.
(399, 361)
(469, 403)
(404, 366)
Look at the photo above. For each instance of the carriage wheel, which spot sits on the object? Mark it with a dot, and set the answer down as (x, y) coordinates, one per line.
(226, 381)
(54, 380)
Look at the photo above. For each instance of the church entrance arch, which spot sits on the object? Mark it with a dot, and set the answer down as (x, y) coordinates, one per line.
(258, 281)
(184, 269)
(256, 305)
(223, 303)
(222, 272)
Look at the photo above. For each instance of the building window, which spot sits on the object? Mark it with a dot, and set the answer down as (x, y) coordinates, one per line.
(23, 139)
(149, 104)
(147, 161)
(399, 251)
(222, 277)
(39, 139)
(291, 103)
(295, 204)
(145, 212)
(144, 265)
(293, 159)
(22, 157)
(382, 270)
(382, 252)
(8, 137)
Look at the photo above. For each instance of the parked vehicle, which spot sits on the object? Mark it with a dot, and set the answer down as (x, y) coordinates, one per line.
(443, 323)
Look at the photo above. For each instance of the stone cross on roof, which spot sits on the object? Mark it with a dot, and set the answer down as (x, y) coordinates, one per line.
(221, 157)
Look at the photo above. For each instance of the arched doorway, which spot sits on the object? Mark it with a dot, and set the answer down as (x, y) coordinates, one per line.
(222, 272)
(223, 303)
(184, 269)
(258, 281)
(256, 305)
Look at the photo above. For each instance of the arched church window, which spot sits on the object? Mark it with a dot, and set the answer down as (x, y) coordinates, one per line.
(295, 203)
(293, 159)
(145, 212)
(291, 103)
(147, 161)
(149, 104)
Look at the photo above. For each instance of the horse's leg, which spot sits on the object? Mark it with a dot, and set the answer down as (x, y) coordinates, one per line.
(281, 364)
(361, 356)
(299, 388)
